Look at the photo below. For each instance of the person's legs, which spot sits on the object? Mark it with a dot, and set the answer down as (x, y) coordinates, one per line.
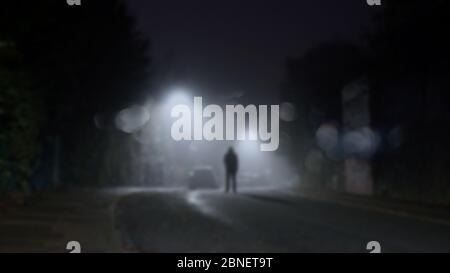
(234, 182)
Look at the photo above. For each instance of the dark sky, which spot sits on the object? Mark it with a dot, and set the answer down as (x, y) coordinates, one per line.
(223, 47)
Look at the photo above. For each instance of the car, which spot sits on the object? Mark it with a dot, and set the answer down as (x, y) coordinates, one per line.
(202, 178)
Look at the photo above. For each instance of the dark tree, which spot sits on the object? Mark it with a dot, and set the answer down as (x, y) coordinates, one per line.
(84, 62)
(410, 98)
(314, 84)
(21, 120)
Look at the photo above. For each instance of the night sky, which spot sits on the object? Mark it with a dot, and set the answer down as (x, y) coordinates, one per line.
(228, 47)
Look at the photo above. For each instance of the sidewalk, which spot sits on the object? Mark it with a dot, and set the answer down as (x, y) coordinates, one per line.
(425, 212)
(47, 222)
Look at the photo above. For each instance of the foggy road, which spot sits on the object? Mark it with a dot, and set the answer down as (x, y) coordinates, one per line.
(266, 221)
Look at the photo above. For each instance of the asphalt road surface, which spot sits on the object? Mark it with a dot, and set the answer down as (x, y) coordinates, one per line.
(266, 220)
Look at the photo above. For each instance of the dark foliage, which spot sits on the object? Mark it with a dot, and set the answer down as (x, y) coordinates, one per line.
(82, 62)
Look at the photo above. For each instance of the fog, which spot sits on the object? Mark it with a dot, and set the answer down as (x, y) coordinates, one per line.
(163, 161)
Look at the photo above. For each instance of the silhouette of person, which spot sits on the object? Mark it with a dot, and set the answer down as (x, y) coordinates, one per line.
(231, 168)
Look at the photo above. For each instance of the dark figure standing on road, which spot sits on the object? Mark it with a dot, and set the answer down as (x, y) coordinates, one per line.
(231, 168)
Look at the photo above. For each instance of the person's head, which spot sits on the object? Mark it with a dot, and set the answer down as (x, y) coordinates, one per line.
(230, 150)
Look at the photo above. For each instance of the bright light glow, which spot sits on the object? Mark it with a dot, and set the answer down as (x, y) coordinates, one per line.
(150, 126)
(249, 147)
(131, 119)
(287, 112)
(178, 96)
(189, 123)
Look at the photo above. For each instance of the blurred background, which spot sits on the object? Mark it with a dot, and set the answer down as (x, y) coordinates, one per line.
(86, 93)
